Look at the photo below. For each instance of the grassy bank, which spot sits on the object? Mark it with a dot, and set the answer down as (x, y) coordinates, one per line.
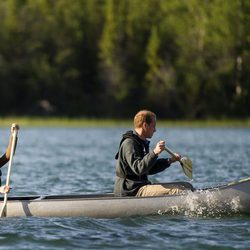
(61, 122)
(84, 122)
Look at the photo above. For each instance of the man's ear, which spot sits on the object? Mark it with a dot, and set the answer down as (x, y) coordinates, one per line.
(144, 125)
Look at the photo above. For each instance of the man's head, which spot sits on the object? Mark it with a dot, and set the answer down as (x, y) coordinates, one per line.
(144, 123)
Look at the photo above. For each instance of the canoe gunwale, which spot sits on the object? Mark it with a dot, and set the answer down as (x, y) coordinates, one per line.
(110, 195)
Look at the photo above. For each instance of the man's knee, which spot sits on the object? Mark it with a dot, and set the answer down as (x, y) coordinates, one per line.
(157, 190)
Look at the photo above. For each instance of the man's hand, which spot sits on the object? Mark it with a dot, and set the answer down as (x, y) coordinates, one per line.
(175, 158)
(4, 189)
(14, 127)
(160, 146)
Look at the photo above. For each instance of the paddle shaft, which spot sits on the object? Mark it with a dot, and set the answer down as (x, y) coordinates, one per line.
(186, 165)
(14, 136)
(170, 152)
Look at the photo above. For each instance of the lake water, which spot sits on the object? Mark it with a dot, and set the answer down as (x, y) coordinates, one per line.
(81, 160)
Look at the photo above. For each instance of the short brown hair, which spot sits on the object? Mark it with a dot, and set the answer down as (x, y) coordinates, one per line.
(143, 116)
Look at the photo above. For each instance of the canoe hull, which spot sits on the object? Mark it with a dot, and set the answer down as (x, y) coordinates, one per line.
(230, 199)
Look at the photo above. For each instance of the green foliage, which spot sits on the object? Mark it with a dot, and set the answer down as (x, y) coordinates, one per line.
(182, 59)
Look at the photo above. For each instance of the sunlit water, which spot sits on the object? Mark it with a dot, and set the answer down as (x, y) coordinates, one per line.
(81, 160)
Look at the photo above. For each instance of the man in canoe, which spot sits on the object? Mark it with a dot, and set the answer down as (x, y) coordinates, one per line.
(5, 158)
(135, 161)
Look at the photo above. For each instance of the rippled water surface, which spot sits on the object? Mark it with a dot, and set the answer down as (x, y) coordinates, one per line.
(81, 160)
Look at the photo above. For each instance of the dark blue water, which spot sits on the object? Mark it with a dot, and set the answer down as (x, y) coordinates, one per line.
(81, 160)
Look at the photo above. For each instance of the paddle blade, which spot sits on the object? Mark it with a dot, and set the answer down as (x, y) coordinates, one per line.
(187, 167)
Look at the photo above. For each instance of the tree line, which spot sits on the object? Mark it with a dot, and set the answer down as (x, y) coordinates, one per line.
(109, 58)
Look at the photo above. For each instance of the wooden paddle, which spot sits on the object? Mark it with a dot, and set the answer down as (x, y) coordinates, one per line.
(185, 162)
(4, 207)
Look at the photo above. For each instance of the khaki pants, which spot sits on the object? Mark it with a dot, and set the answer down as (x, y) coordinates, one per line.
(158, 190)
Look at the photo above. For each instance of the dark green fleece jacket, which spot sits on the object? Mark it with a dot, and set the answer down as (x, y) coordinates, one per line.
(134, 163)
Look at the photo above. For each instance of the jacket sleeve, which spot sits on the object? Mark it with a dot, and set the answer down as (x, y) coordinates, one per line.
(139, 164)
(160, 165)
(3, 160)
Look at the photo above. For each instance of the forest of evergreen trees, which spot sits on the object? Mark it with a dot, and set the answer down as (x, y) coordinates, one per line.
(183, 59)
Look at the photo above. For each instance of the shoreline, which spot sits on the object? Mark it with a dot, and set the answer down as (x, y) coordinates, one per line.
(95, 122)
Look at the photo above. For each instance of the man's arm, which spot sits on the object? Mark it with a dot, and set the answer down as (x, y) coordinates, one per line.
(138, 163)
(5, 158)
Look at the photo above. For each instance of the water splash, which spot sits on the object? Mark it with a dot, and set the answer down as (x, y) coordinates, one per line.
(204, 203)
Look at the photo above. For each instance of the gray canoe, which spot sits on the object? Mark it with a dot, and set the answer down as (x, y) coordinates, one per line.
(233, 198)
